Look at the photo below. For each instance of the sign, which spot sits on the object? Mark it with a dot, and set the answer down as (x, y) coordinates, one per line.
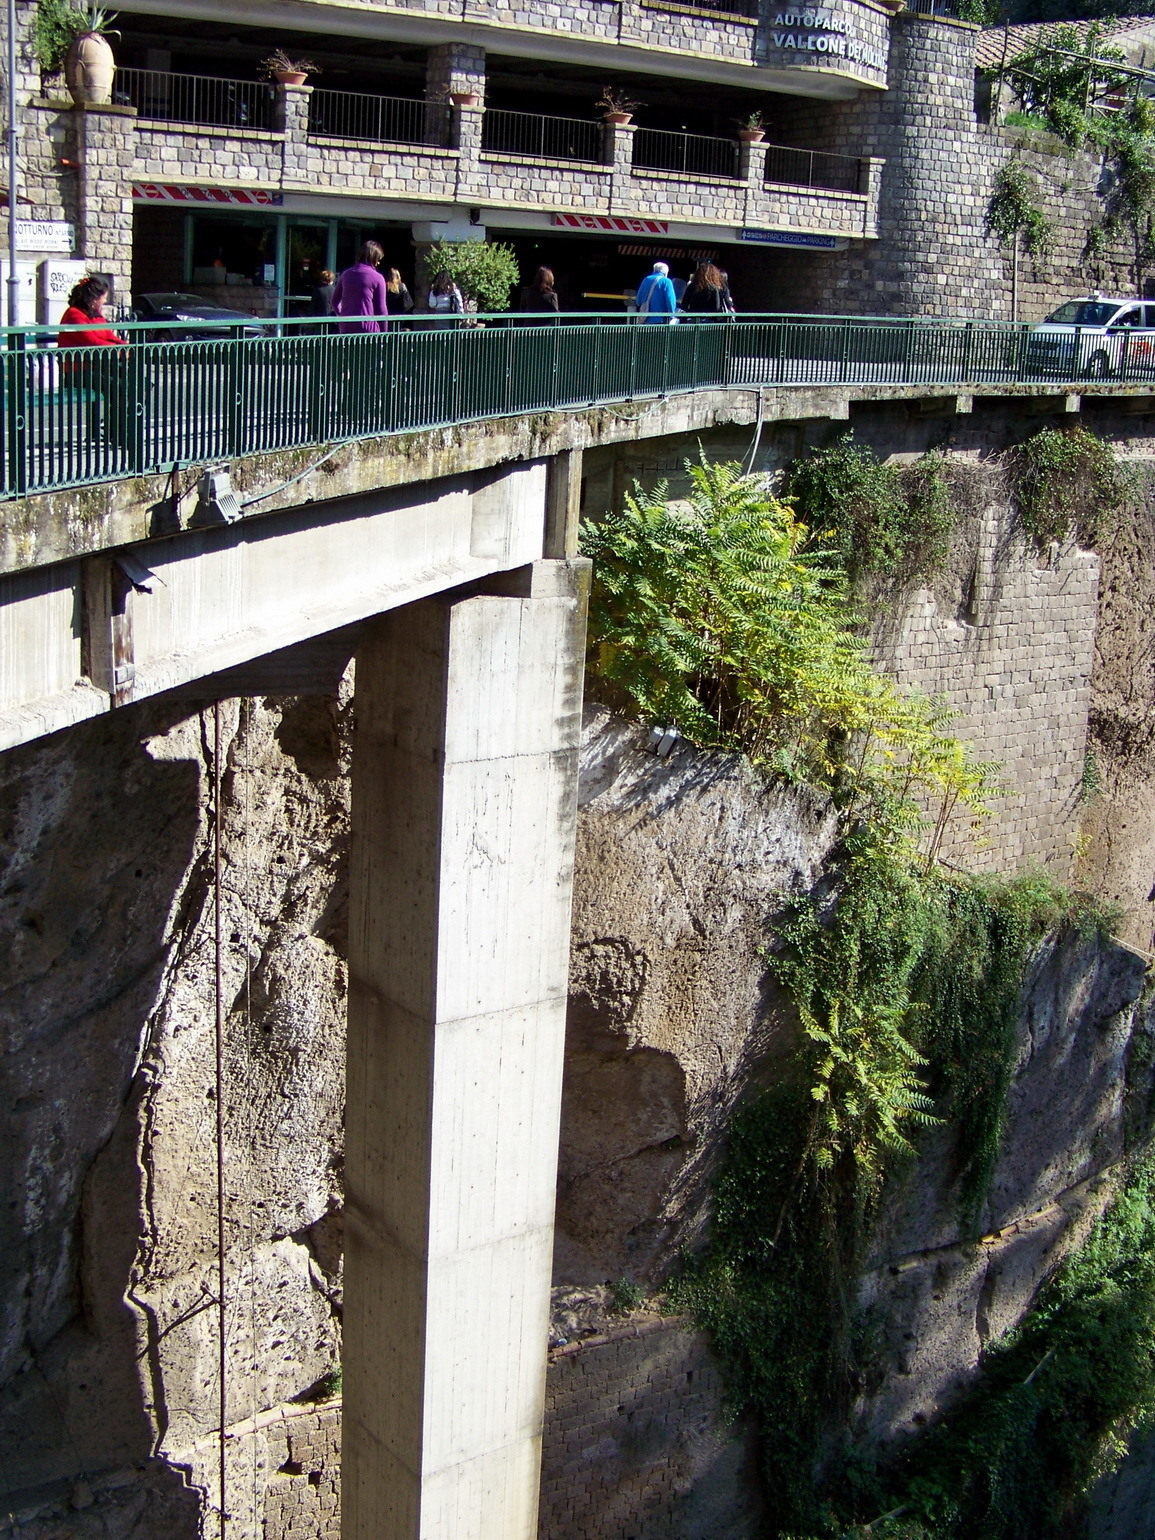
(45, 235)
(619, 224)
(57, 280)
(818, 29)
(793, 238)
(166, 192)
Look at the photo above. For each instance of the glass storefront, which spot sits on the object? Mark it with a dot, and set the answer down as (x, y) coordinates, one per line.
(262, 263)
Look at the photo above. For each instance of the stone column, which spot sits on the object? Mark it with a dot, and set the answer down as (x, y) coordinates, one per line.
(752, 171)
(618, 152)
(464, 791)
(105, 142)
(291, 118)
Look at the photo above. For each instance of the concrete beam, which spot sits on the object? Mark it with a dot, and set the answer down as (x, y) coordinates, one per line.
(464, 801)
(216, 599)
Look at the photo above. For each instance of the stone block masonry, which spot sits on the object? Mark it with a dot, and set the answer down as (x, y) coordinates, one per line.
(1012, 661)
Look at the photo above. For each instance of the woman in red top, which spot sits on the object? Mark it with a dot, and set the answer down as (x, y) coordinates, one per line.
(98, 381)
(86, 310)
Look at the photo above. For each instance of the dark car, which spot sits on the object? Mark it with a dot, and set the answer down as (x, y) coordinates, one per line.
(213, 321)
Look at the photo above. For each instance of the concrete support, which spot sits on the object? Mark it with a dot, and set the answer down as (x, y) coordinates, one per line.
(563, 503)
(464, 789)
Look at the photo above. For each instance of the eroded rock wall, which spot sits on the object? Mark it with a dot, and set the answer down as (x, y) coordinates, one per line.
(113, 977)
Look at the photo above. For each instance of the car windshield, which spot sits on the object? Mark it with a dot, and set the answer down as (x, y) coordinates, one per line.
(1083, 312)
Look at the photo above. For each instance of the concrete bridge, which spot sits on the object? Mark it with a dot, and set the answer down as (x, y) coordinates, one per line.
(445, 561)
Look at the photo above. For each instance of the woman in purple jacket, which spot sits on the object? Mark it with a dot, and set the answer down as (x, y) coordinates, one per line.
(361, 291)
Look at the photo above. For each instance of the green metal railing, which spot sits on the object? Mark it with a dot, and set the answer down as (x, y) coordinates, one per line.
(75, 416)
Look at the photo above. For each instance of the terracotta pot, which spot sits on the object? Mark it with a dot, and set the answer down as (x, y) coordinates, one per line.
(291, 77)
(464, 98)
(89, 70)
(618, 117)
(751, 135)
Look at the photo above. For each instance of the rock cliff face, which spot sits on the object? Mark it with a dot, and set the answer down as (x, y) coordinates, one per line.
(684, 864)
(113, 979)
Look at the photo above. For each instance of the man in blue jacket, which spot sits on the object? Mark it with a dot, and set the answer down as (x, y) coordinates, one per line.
(656, 299)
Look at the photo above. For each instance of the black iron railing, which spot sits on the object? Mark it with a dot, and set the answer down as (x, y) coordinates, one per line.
(543, 138)
(657, 149)
(201, 100)
(815, 168)
(377, 119)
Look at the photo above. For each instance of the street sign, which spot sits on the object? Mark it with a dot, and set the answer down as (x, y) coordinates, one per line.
(794, 238)
(45, 235)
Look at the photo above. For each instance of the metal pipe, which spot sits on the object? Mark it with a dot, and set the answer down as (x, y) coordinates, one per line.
(13, 170)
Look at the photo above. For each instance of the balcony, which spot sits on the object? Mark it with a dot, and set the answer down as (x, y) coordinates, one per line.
(297, 140)
(197, 99)
(377, 119)
(541, 138)
(657, 149)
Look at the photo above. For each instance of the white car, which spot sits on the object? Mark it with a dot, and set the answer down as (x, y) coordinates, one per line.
(1095, 336)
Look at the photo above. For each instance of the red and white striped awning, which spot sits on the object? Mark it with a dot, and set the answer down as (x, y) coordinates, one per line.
(168, 192)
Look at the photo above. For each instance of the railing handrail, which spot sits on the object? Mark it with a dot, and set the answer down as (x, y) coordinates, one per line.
(679, 133)
(548, 117)
(78, 416)
(131, 71)
(371, 96)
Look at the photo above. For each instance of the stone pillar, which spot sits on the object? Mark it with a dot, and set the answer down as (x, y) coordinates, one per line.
(464, 792)
(105, 142)
(752, 171)
(619, 154)
(291, 118)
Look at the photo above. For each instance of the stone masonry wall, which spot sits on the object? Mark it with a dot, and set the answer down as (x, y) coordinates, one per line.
(934, 255)
(636, 1444)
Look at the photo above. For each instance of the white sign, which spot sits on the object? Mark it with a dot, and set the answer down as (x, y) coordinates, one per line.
(45, 235)
(57, 280)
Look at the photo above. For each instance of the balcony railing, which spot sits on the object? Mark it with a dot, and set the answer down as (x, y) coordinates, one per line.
(202, 100)
(544, 138)
(656, 149)
(723, 7)
(815, 168)
(377, 119)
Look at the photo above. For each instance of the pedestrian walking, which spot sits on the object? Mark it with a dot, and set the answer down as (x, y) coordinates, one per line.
(400, 299)
(321, 294)
(707, 294)
(360, 291)
(656, 299)
(444, 301)
(540, 296)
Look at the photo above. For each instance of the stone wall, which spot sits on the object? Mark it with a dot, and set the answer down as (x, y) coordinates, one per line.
(934, 255)
(637, 1443)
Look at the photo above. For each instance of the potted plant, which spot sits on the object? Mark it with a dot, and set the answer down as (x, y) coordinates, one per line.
(287, 71)
(89, 65)
(752, 128)
(616, 106)
(465, 98)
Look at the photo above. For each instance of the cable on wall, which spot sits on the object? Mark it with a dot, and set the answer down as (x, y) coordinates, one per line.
(219, 1057)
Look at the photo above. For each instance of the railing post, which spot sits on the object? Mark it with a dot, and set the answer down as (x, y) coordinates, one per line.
(16, 413)
(968, 351)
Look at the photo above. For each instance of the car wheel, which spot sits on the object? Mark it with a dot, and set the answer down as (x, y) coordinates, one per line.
(1099, 366)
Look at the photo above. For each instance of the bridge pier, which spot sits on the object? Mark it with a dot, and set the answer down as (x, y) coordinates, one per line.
(464, 792)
